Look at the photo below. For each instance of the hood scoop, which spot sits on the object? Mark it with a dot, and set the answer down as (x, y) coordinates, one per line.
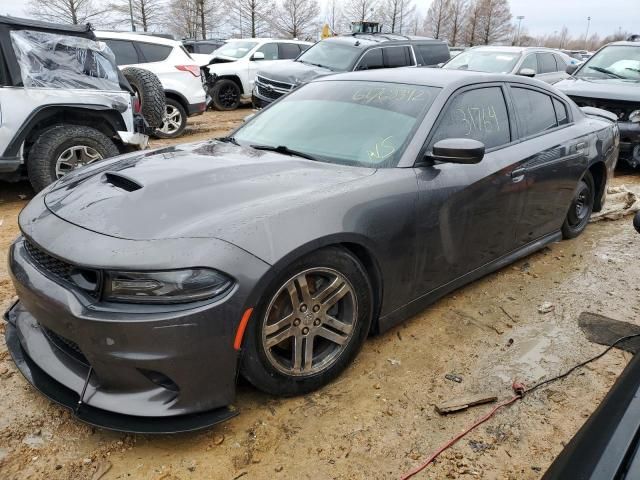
(121, 181)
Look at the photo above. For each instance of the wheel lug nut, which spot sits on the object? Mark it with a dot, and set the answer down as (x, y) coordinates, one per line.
(316, 308)
(296, 322)
(305, 330)
(303, 308)
(316, 322)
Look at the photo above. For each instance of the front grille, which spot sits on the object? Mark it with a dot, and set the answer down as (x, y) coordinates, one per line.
(65, 345)
(267, 93)
(619, 108)
(63, 271)
(273, 83)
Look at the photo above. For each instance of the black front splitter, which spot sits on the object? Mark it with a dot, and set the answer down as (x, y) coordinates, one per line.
(67, 398)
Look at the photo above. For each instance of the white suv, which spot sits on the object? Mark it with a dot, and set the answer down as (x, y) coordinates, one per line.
(232, 72)
(172, 64)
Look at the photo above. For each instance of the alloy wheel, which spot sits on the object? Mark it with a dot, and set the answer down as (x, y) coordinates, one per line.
(228, 96)
(75, 157)
(172, 120)
(309, 322)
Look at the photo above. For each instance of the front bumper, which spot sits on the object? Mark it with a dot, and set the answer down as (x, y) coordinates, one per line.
(137, 140)
(629, 139)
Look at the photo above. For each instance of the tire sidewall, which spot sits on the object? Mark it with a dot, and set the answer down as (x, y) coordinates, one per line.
(254, 363)
(183, 121)
(569, 231)
(217, 89)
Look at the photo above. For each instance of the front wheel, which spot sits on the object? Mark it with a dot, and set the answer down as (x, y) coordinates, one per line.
(311, 325)
(225, 95)
(581, 208)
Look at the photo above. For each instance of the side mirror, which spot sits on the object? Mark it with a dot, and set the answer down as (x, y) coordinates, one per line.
(527, 72)
(636, 222)
(571, 68)
(257, 56)
(458, 150)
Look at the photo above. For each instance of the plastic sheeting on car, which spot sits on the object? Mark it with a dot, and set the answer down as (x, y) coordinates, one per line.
(49, 60)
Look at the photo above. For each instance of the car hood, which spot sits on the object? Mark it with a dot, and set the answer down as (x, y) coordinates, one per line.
(208, 189)
(293, 72)
(607, 89)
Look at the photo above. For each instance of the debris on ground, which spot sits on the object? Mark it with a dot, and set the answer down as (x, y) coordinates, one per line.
(546, 307)
(606, 331)
(453, 377)
(459, 404)
(621, 201)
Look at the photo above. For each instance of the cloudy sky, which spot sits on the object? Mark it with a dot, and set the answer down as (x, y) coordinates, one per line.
(541, 16)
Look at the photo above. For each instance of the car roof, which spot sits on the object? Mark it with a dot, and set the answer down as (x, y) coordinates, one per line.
(625, 43)
(137, 37)
(266, 39)
(513, 49)
(365, 40)
(29, 23)
(430, 77)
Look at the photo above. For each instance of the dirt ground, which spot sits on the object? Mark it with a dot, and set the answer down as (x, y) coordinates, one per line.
(377, 420)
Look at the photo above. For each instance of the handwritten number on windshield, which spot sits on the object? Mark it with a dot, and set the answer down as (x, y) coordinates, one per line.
(478, 120)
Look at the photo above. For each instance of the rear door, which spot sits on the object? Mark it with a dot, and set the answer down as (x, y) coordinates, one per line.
(554, 149)
(467, 213)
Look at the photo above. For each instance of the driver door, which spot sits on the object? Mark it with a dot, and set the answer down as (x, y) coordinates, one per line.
(467, 214)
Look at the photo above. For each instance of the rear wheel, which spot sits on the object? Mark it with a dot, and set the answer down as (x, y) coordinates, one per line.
(581, 208)
(225, 95)
(311, 325)
(64, 148)
(174, 122)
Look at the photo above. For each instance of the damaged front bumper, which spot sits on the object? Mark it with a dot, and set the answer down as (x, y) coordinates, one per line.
(630, 142)
(138, 141)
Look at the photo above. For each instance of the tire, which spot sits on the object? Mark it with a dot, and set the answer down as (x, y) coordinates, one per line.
(271, 368)
(225, 95)
(174, 122)
(150, 93)
(581, 208)
(64, 148)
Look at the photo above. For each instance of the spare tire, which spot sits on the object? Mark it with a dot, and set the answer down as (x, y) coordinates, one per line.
(150, 93)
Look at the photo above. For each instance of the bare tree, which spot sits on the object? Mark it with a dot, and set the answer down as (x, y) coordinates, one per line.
(66, 11)
(146, 13)
(438, 17)
(396, 15)
(295, 17)
(360, 10)
(474, 17)
(253, 17)
(457, 19)
(334, 16)
(182, 18)
(495, 17)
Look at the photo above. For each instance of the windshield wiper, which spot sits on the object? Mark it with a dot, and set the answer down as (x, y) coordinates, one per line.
(606, 71)
(314, 64)
(228, 140)
(633, 69)
(284, 150)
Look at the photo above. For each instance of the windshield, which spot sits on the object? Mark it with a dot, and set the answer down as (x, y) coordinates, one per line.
(236, 49)
(484, 61)
(334, 56)
(351, 123)
(615, 61)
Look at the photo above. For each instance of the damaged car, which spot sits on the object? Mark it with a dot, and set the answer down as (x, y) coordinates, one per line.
(610, 80)
(147, 283)
(65, 104)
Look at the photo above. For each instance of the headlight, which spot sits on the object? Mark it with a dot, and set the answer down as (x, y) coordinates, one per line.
(175, 286)
(634, 116)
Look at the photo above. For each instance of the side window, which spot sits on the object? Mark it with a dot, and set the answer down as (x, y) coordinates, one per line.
(125, 52)
(154, 53)
(288, 50)
(535, 109)
(270, 51)
(480, 114)
(372, 59)
(547, 63)
(561, 112)
(433, 53)
(531, 62)
(303, 46)
(3, 67)
(396, 57)
(562, 64)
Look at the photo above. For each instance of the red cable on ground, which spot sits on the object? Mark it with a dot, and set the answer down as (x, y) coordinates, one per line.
(517, 388)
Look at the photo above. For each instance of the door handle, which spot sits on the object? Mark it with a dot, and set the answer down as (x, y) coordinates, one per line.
(518, 174)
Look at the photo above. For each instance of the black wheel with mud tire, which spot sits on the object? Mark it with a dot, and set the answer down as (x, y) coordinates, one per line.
(174, 122)
(225, 95)
(150, 94)
(310, 325)
(581, 208)
(63, 148)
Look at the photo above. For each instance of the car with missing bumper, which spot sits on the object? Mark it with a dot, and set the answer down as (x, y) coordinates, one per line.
(274, 252)
(63, 102)
(610, 80)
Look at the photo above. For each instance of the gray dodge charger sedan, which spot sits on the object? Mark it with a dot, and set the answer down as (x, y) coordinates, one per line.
(148, 282)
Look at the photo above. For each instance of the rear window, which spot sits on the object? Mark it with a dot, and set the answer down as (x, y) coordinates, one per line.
(49, 60)
(125, 52)
(153, 52)
(397, 57)
(433, 53)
